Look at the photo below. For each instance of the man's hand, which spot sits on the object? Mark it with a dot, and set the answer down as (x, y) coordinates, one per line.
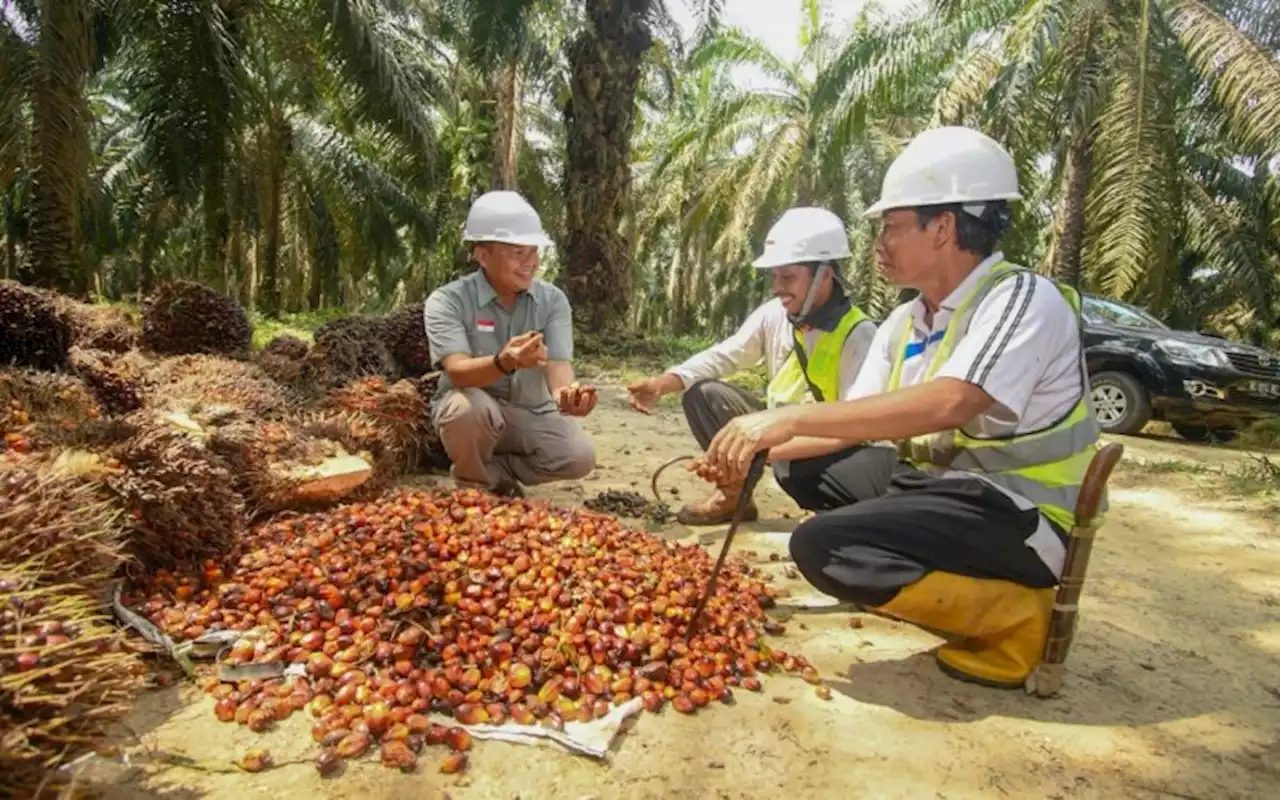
(646, 392)
(576, 400)
(524, 351)
(705, 471)
(737, 443)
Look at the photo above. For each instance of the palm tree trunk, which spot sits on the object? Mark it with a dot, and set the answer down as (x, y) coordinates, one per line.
(508, 90)
(605, 65)
(1076, 175)
(146, 258)
(60, 146)
(216, 225)
(269, 289)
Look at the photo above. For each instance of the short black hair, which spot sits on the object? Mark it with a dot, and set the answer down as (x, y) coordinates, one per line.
(978, 235)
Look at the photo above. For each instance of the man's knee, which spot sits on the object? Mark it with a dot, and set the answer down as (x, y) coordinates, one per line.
(470, 410)
(581, 460)
(848, 561)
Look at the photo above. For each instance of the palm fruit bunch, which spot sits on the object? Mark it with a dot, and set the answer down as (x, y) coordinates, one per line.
(65, 677)
(391, 421)
(346, 349)
(53, 509)
(33, 332)
(282, 357)
(117, 382)
(182, 317)
(180, 500)
(100, 327)
(276, 466)
(192, 382)
(465, 605)
(39, 410)
(407, 340)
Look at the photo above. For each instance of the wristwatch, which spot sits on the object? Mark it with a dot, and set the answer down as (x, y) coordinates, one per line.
(497, 362)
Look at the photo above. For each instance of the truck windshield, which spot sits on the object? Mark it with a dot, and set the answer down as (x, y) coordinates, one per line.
(1111, 313)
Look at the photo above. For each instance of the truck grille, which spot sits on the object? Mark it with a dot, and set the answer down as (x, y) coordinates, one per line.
(1256, 365)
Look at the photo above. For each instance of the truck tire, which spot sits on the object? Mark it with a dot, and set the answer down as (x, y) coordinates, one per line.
(1119, 402)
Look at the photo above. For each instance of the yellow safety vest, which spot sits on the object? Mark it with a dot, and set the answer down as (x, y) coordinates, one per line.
(1048, 466)
(819, 377)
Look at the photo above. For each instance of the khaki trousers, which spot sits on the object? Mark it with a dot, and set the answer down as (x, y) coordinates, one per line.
(489, 441)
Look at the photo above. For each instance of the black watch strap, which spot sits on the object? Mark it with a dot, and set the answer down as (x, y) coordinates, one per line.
(497, 362)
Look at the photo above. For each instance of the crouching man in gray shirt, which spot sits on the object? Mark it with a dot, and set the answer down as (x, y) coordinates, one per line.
(504, 342)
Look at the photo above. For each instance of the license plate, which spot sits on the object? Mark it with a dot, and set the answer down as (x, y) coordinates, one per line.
(1270, 391)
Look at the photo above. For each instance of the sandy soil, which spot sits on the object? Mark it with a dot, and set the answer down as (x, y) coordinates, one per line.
(1173, 686)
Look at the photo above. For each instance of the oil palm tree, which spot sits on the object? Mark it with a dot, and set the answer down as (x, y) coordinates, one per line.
(1110, 93)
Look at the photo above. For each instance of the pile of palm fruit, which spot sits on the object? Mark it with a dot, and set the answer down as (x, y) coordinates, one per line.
(135, 441)
(164, 450)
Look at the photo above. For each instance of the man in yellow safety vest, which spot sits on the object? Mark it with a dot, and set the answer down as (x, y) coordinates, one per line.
(981, 382)
(813, 340)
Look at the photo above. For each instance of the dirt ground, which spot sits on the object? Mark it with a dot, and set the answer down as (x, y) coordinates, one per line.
(1173, 685)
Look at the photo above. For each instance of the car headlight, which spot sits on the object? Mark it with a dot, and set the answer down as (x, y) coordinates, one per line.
(1196, 353)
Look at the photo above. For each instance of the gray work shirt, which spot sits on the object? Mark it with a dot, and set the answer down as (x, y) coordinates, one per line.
(464, 316)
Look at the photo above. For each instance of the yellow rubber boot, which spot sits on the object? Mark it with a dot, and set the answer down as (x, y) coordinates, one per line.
(999, 627)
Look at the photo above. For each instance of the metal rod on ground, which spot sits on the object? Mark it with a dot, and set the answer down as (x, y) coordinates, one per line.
(1046, 679)
(754, 473)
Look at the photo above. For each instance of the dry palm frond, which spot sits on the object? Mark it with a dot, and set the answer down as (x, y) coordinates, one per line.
(65, 676)
(54, 512)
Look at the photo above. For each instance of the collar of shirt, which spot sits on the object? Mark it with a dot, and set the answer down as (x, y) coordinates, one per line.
(485, 293)
(920, 312)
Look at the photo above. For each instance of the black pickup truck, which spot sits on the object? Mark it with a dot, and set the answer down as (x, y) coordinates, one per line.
(1206, 387)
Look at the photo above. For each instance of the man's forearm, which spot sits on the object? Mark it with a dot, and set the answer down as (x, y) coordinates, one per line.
(468, 372)
(803, 447)
(559, 375)
(914, 411)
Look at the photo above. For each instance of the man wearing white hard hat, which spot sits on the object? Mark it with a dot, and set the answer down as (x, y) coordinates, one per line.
(813, 340)
(503, 340)
(981, 382)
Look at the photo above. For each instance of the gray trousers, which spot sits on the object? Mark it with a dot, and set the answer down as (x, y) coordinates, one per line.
(489, 441)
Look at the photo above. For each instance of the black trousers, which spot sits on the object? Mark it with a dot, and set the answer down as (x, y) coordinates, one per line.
(816, 484)
(883, 524)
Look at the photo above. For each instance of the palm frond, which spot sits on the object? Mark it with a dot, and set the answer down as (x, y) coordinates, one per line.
(1245, 78)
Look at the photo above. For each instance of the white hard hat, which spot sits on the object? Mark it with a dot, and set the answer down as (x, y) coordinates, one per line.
(804, 235)
(504, 216)
(950, 164)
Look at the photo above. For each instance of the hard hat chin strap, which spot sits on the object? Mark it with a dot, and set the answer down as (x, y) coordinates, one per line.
(811, 296)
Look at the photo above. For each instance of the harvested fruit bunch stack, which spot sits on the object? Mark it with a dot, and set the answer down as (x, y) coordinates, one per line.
(407, 340)
(347, 349)
(65, 675)
(182, 317)
(283, 358)
(98, 327)
(195, 382)
(461, 604)
(33, 332)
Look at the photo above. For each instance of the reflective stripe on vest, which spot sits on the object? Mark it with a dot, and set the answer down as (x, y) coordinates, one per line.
(793, 384)
(1047, 467)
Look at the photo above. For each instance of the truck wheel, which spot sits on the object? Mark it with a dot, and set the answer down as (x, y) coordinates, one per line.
(1119, 402)
(1199, 433)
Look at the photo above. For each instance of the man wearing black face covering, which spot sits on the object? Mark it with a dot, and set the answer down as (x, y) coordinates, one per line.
(813, 340)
